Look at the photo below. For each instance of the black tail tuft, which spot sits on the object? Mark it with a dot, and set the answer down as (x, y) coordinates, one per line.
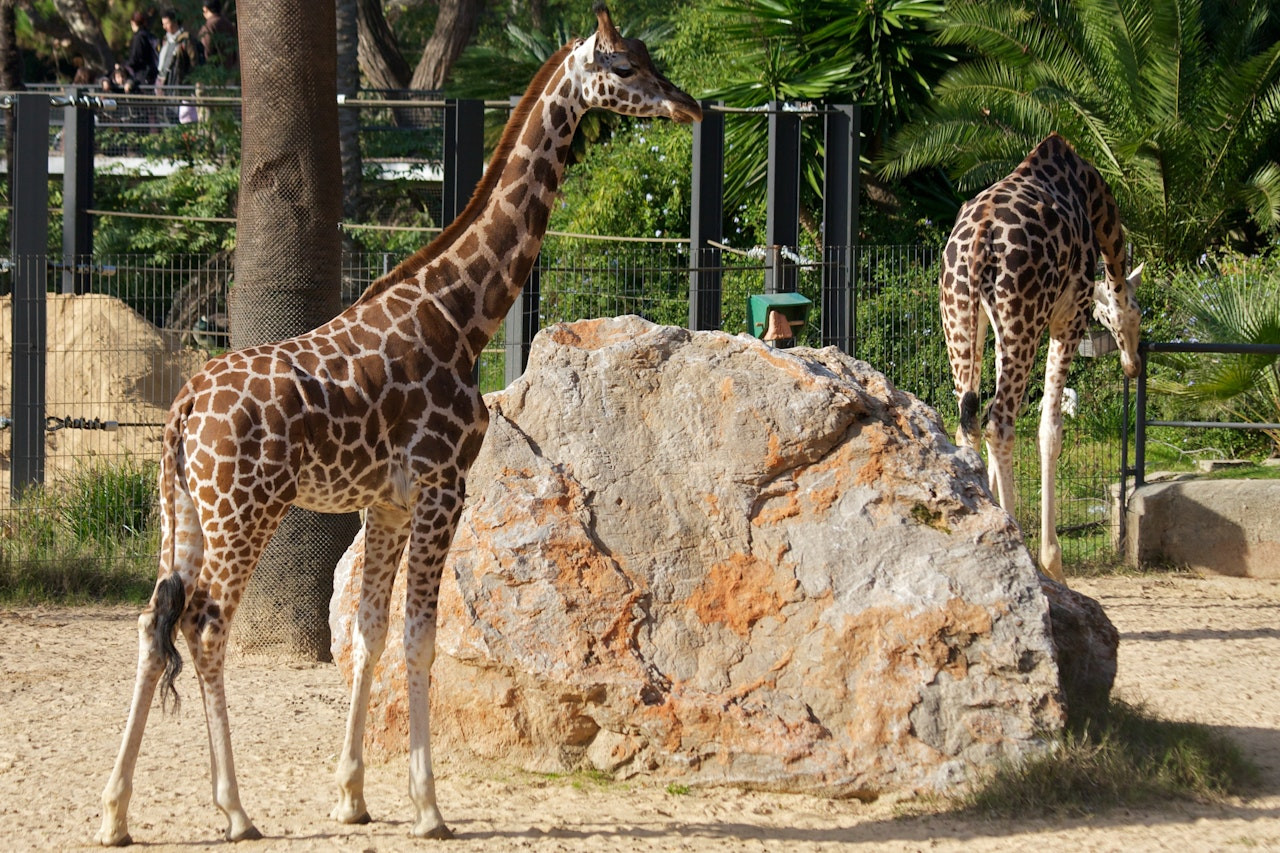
(170, 601)
(969, 413)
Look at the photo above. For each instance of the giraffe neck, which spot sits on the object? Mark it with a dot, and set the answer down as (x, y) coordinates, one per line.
(473, 272)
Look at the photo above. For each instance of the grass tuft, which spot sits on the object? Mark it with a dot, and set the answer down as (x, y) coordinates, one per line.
(1122, 757)
(90, 538)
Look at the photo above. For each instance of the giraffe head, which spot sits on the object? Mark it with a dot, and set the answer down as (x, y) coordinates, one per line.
(1116, 307)
(620, 76)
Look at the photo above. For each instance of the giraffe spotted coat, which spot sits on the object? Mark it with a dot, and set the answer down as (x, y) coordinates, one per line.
(1022, 257)
(376, 409)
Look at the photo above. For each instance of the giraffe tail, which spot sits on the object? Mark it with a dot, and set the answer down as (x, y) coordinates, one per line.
(170, 597)
(168, 602)
(969, 414)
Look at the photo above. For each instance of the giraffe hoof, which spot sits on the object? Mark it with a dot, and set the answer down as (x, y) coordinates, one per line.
(350, 815)
(435, 831)
(107, 840)
(249, 833)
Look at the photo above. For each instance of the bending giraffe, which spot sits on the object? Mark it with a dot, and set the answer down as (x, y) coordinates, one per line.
(1022, 256)
(375, 409)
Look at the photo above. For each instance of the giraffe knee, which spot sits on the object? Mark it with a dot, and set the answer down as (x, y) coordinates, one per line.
(368, 641)
(420, 646)
(999, 433)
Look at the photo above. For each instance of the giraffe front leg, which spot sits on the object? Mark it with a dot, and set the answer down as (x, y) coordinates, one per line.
(119, 789)
(428, 822)
(1057, 363)
(433, 529)
(385, 534)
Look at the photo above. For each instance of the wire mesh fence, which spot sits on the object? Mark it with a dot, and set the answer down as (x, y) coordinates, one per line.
(117, 354)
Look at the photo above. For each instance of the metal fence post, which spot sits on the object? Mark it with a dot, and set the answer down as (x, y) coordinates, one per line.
(463, 154)
(1140, 423)
(29, 233)
(522, 321)
(706, 219)
(782, 210)
(77, 193)
(521, 325)
(840, 227)
(448, 165)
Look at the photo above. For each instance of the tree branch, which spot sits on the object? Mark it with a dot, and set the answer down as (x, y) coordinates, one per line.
(455, 25)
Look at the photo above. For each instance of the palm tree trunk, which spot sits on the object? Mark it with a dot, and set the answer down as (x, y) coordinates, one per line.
(288, 274)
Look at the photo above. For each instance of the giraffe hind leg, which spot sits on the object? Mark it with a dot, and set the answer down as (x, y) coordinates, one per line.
(207, 624)
(158, 663)
(208, 650)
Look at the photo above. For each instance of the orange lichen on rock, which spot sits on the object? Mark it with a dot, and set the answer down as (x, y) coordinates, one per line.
(738, 592)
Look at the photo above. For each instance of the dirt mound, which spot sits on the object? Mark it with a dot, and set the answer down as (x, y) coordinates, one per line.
(104, 361)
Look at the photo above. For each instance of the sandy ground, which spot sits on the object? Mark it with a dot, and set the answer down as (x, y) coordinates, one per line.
(1191, 649)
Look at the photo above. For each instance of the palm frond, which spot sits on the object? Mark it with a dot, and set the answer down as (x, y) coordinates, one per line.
(1262, 195)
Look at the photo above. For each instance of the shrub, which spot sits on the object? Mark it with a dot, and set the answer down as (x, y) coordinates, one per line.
(89, 538)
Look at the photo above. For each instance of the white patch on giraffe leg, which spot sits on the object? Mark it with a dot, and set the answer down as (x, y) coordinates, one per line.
(1050, 449)
(368, 641)
(428, 821)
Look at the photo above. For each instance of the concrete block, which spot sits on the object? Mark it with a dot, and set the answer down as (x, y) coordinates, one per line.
(1225, 527)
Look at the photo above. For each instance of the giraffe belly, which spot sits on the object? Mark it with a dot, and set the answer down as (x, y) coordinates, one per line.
(319, 493)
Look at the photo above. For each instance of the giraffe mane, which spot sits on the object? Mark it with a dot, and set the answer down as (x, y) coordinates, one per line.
(415, 262)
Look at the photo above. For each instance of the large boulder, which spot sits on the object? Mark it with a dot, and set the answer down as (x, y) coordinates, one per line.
(688, 554)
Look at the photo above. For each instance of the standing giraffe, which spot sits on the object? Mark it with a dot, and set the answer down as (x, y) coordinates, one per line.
(376, 409)
(1022, 257)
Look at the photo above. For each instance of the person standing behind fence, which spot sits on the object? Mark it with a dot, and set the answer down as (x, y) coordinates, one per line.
(218, 37)
(179, 55)
(142, 62)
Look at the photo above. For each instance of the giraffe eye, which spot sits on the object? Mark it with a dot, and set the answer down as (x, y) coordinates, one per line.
(624, 71)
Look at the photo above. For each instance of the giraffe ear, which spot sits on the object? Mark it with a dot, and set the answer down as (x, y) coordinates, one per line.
(592, 51)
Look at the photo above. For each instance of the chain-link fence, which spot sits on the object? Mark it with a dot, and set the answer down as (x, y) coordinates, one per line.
(117, 355)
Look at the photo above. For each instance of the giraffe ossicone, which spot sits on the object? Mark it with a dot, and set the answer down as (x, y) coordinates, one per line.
(376, 409)
(1022, 257)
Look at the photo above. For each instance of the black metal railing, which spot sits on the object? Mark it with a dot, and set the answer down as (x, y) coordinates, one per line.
(1141, 422)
